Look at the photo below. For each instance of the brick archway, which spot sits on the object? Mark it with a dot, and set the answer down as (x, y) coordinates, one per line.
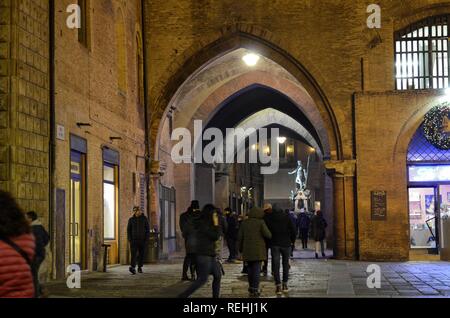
(228, 43)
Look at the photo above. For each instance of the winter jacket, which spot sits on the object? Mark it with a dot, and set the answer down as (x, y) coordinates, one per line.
(318, 226)
(282, 229)
(252, 235)
(233, 227)
(201, 235)
(303, 221)
(138, 229)
(41, 239)
(16, 278)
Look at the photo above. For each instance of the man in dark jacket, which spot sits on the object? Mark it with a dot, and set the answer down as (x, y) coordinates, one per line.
(202, 232)
(188, 263)
(318, 227)
(42, 239)
(267, 212)
(283, 236)
(303, 222)
(232, 234)
(138, 232)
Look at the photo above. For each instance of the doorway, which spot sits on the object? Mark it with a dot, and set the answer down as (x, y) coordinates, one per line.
(77, 215)
(429, 210)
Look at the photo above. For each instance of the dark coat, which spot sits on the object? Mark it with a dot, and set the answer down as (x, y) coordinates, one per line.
(282, 229)
(41, 240)
(138, 229)
(303, 221)
(318, 226)
(201, 235)
(252, 235)
(233, 227)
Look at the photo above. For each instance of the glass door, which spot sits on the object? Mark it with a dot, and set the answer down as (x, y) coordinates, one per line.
(444, 222)
(110, 211)
(423, 219)
(76, 215)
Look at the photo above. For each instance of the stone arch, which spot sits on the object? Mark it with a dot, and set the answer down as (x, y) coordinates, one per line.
(408, 130)
(420, 14)
(230, 42)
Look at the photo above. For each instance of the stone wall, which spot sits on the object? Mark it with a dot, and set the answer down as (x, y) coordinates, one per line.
(24, 103)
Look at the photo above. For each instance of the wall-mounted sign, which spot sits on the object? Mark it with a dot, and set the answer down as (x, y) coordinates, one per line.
(60, 132)
(378, 205)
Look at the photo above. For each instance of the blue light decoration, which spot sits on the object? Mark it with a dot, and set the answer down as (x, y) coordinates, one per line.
(429, 173)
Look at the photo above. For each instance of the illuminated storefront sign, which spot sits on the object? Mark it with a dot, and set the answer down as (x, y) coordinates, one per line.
(432, 173)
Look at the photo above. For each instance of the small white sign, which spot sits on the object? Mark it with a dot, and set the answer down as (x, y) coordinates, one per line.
(60, 132)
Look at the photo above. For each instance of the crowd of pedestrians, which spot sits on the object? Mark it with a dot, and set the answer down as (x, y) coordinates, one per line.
(249, 239)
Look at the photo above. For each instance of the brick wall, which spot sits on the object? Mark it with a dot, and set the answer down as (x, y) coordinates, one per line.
(24, 103)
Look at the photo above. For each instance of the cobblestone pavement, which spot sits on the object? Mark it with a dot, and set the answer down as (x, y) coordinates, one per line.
(309, 278)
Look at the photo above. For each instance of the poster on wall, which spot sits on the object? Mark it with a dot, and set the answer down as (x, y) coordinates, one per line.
(379, 205)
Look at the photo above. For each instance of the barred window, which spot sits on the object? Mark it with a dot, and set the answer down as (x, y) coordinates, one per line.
(421, 55)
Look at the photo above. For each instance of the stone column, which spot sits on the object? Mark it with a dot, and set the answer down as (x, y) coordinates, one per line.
(343, 175)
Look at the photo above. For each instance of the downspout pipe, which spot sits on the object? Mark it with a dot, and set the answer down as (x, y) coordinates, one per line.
(52, 145)
(148, 159)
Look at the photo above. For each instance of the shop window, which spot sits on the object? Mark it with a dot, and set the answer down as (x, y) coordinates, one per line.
(421, 55)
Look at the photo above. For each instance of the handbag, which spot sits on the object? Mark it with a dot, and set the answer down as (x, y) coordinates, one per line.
(25, 256)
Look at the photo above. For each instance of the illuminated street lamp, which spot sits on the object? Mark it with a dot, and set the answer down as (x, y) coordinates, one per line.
(281, 140)
(251, 59)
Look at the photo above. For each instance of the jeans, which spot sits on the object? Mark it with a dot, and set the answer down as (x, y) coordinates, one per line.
(254, 271)
(137, 253)
(304, 237)
(35, 271)
(277, 253)
(266, 262)
(189, 264)
(319, 244)
(232, 247)
(206, 265)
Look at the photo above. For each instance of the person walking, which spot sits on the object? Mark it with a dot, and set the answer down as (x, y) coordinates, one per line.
(202, 231)
(138, 232)
(283, 236)
(267, 211)
(232, 234)
(318, 226)
(223, 225)
(17, 246)
(252, 245)
(303, 222)
(189, 259)
(42, 239)
(293, 219)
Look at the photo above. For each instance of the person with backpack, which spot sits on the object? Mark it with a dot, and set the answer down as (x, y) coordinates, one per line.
(202, 231)
(42, 238)
(17, 248)
(189, 259)
(252, 245)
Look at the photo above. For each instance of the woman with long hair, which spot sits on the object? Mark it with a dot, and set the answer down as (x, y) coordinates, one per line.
(16, 250)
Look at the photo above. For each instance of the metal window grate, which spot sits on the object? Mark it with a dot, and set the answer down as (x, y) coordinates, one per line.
(421, 55)
(420, 150)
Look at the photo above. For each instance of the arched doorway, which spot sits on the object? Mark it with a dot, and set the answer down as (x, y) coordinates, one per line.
(207, 90)
(428, 171)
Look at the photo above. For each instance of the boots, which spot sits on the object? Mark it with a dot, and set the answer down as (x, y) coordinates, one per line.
(279, 291)
(285, 288)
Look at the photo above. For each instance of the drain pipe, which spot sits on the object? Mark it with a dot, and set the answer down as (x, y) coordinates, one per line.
(148, 159)
(51, 148)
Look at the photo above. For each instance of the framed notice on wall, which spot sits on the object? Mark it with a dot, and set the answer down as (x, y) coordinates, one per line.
(378, 205)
